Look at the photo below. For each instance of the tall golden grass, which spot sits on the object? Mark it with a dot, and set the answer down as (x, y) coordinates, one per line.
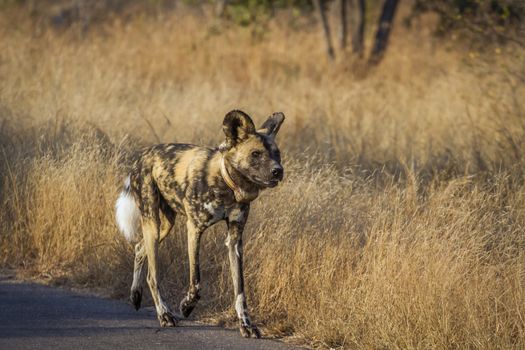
(400, 221)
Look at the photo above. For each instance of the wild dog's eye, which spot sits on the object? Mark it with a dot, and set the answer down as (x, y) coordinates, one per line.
(256, 154)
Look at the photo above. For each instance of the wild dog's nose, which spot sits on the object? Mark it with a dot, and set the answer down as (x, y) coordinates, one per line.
(277, 173)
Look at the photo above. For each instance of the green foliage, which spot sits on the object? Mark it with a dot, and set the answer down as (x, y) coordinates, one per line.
(497, 19)
(246, 12)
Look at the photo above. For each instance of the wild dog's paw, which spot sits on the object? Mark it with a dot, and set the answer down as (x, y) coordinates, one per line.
(249, 331)
(167, 320)
(256, 332)
(136, 298)
(188, 304)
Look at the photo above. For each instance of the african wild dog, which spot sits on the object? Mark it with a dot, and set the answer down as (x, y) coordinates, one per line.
(206, 185)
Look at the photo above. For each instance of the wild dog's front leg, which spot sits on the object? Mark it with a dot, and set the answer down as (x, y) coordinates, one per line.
(190, 301)
(234, 244)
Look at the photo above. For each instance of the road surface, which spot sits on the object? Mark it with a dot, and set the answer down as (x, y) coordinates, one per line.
(33, 316)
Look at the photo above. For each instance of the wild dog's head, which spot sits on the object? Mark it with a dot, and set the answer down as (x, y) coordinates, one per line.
(253, 153)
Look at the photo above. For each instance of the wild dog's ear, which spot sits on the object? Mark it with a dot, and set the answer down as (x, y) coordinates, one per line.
(271, 126)
(237, 126)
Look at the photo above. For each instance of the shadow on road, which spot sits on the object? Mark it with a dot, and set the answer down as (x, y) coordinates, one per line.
(40, 317)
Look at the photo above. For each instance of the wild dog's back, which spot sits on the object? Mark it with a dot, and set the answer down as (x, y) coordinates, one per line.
(176, 172)
(161, 162)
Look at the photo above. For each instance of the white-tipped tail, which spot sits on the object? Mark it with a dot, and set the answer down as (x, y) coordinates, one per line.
(128, 214)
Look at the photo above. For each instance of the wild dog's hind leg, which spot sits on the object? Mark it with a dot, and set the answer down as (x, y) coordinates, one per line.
(167, 218)
(190, 301)
(151, 237)
(151, 245)
(139, 275)
(234, 243)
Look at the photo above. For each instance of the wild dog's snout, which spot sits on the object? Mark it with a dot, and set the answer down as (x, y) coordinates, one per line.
(277, 173)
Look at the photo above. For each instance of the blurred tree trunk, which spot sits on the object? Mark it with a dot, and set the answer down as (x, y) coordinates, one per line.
(220, 7)
(321, 9)
(344, 23)
(383, 30)
(83, 15)
(357, 22)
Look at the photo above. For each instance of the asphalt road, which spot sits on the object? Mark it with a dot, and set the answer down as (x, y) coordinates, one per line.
(33, 316)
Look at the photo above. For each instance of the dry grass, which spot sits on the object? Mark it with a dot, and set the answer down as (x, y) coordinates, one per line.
(400, 223)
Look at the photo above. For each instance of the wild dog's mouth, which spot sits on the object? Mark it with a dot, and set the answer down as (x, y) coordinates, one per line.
(270, 183)
(273, 183)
